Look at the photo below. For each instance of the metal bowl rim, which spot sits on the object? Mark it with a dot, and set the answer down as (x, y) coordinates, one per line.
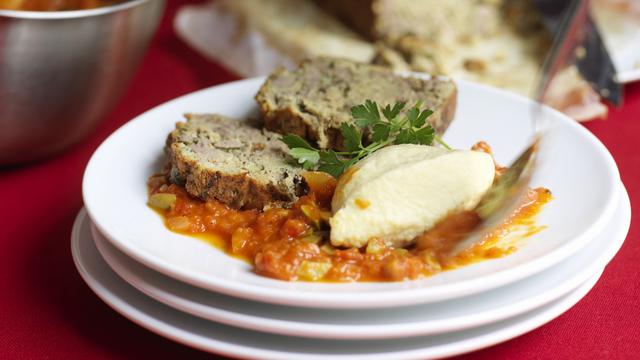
(72, 14)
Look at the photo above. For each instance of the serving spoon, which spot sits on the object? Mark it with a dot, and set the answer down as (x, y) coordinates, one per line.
(506, 194)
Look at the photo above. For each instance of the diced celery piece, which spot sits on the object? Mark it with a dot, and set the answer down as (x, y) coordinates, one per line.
(179, 223)
(162, 201)
(375, 246)
(313, 238)
(313, 270)
(311, 214)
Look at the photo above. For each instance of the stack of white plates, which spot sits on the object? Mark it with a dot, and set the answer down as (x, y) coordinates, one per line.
(186, 290)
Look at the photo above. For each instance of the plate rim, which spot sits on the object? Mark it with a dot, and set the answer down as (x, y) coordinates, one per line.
(368, 331)
(382, 298)
(628, 76)
(526, 323)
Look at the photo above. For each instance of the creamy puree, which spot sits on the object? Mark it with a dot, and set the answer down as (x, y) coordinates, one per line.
(403, 190)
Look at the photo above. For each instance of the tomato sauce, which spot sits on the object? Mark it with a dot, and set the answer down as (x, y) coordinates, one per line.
(293, 244)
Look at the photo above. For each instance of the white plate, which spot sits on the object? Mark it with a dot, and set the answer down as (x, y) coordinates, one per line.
(473, 311)
(575, 166)
(245, 344)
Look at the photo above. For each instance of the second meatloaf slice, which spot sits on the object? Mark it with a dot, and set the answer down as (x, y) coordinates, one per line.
(316, 98)
(233, 162)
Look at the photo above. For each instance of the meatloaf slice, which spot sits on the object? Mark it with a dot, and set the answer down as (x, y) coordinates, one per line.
(231, 161)
(313, 100)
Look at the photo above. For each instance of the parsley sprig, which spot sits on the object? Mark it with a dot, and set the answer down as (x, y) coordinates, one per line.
(390, 128)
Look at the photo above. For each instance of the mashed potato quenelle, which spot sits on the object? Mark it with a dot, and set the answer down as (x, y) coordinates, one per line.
(403, 190)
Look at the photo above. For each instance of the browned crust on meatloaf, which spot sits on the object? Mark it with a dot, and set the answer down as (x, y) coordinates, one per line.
(233, 162)
(313, 100)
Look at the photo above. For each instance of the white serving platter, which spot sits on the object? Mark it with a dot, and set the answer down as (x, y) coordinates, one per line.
(418, 320)
(238, 343)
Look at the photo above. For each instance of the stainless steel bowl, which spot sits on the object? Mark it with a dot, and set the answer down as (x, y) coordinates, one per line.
(62, 72)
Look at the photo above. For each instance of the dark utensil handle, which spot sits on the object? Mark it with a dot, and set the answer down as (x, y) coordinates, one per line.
(596, 65)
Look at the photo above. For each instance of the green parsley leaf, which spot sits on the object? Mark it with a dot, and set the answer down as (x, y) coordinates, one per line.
(352, 137)
(412, 115)
(307, 157)
(380, 132)
(330, 157)
(411, 129)
(366, 114)
(392, 113)
(425, 135)
(331, 163)
(422, 118)
(406, 136)
(295, 141)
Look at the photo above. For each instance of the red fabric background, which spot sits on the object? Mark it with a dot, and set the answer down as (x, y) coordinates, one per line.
(46, 311)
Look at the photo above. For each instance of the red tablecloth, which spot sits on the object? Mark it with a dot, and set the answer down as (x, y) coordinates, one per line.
(46, 311)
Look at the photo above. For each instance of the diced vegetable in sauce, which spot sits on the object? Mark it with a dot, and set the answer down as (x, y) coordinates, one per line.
(292, 244)
(162, 201)
(313, 270)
